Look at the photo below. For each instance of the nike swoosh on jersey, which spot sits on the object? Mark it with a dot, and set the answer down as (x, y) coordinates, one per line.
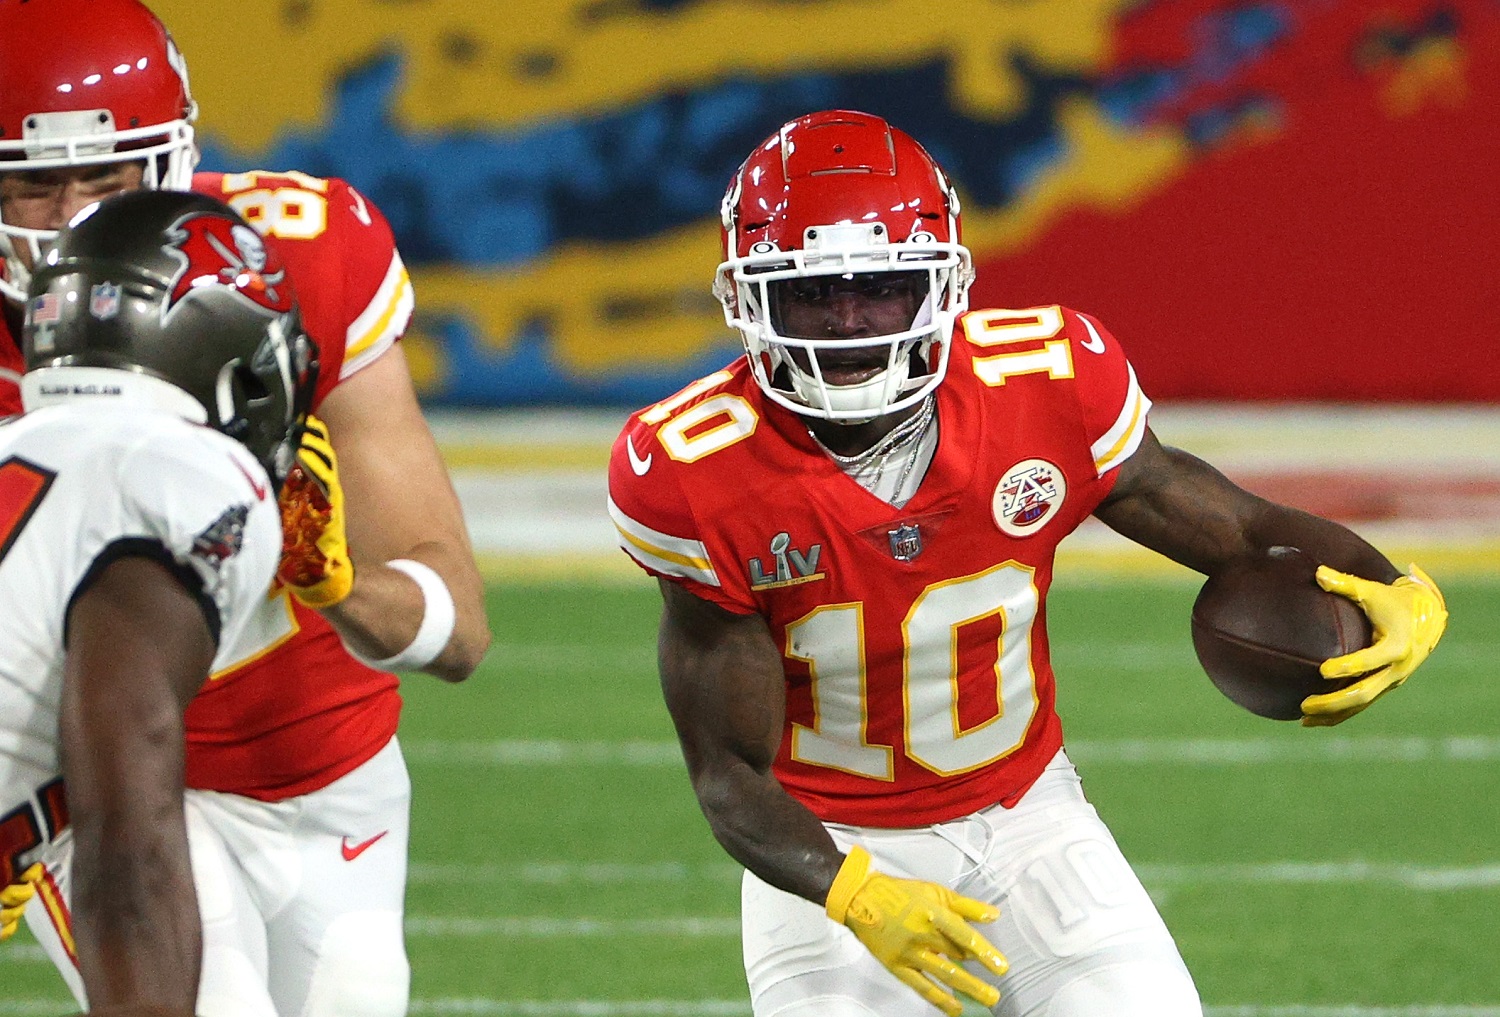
(639, 465)
(352, 852)
(1093, 344)
(360, 210)
(259, 489)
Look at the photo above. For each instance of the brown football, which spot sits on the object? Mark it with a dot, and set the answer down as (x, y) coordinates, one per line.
(1261, 627)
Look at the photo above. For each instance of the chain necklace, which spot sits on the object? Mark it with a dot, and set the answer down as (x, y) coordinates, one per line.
(868, 467)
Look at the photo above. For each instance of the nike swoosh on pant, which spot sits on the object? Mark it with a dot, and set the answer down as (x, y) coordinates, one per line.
(351, 853)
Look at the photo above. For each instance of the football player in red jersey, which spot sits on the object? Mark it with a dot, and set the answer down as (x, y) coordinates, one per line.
(853, 528)
(299, 809)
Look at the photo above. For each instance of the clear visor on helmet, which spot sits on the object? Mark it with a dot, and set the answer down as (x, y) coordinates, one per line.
(86, 138)
(849, 378)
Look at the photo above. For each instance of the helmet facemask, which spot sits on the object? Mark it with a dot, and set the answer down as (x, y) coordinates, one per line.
(167, 157)
(264, 402)
(791, 369)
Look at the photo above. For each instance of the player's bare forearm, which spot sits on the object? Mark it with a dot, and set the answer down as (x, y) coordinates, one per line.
(135, 912)
(139, 647)
(384, 610)
(723, 683)
(1181, 507)
(400, 504)
(765, 829)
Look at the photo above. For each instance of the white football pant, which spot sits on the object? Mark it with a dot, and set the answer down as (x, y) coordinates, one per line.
(1082, 937)
(301, 899)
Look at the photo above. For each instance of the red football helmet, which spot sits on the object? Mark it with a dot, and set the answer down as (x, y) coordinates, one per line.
(841, 193)
(85, 82)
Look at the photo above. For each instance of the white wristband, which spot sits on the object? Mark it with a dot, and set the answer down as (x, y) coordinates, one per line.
(438, 620)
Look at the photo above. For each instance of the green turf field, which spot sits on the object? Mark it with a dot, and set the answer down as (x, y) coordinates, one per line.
(560, 865)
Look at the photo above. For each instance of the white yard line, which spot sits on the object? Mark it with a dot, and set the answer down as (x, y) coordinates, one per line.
(728, 1007)
(1355, 1010)
(1421, 877)
(559, 873)
(541, 752)
(571, 928)
(482, 1007)
(1425, 878)
(22, 953)
(584, 1007)
(1298, 747)
(1074, 661)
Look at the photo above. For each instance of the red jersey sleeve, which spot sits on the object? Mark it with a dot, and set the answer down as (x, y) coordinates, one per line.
(353, 290)
(1113, 406)
(656, 523)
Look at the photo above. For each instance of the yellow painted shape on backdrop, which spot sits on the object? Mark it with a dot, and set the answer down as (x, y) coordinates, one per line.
(269, 67)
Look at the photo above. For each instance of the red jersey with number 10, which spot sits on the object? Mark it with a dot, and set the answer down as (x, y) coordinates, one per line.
(918, 683)
(295, 712)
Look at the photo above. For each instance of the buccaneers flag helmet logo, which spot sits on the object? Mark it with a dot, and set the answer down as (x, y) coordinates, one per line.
(216, 251)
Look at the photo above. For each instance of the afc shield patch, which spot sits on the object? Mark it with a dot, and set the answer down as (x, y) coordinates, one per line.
(1029, 494)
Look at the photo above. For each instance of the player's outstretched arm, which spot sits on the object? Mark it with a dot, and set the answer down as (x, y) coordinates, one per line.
(426, 611)
(725, 688)
(139, 647)
(1182, 507)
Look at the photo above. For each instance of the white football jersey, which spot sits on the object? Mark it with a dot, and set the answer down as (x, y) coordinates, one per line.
(79, 487)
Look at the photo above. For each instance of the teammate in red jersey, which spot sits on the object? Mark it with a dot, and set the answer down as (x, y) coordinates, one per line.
(853, 528)
(299, 812)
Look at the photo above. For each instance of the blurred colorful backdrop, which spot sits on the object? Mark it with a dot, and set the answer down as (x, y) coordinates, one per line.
(1264, 200)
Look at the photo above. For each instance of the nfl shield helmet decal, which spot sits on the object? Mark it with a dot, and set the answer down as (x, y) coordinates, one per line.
(1029, 494)
(104, 301)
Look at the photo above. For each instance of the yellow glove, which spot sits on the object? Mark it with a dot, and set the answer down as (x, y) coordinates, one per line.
(315, 562)
(14, 898)
(919, 930)
(1408, 617)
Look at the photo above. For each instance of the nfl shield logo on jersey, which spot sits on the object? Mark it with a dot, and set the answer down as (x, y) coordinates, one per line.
(1028, 495)
(104, 301)
(906, 541)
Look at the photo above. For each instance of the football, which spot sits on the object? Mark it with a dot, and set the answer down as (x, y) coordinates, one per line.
(1263, 625)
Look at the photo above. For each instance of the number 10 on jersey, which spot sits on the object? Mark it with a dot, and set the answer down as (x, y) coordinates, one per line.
(831, 640)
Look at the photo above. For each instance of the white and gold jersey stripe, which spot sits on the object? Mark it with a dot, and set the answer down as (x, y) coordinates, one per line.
(382, 321)
(1122, 439)
(662, 552)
